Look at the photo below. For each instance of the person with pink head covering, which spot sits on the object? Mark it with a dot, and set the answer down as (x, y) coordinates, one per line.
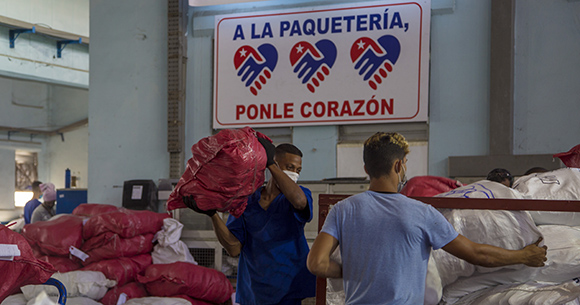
(47, 209)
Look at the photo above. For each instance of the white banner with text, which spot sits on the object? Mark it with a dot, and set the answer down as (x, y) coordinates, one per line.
(331, 65)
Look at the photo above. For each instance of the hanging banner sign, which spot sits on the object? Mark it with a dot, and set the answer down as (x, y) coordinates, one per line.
(331, 65)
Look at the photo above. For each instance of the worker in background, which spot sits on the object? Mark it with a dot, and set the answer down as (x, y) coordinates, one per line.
(32, 203)
(269, 235)
(386, 238)
(47, 209)
(502, 176)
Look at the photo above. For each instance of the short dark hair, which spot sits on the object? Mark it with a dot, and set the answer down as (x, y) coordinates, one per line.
(381, 151)
(499, 175)
(36, 186)
(288, 148)
(534, 170)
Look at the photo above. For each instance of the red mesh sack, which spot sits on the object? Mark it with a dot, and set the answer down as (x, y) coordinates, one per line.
(195, 281)
(124, 269)
(54, 237)
(570, 158)
(61, 263)
(92, 209)
(428, 186)
(24, 269)
(224, 170)
(132, 290)
(126, 223)
(110, 245)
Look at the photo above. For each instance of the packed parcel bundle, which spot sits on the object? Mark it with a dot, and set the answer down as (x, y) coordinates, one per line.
(224, 170)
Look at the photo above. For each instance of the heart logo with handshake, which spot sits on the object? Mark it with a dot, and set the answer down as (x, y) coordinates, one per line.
(312, 64)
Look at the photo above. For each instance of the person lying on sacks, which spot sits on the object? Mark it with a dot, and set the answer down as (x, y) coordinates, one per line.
(269, 235)
(385, 238)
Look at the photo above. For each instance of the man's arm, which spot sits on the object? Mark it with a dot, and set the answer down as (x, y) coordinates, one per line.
(319, 262)
(228, 240)
(291, 190)
(491, 256)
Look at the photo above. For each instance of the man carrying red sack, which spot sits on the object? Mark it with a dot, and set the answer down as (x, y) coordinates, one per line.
(269, 235)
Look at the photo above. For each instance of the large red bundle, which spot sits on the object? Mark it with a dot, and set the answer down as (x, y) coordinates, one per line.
(61, 264)
(24, 269)
(54, 237)
(132, 290)
(224, 170)
(126, 223)
(124, 269)
(92, 209)
(110, 245)
(570, 158)
(198, 282)
(428, 186)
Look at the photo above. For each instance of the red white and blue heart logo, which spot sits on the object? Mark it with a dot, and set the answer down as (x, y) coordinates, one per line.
(255, 67)
(312, 64)
(375, 60)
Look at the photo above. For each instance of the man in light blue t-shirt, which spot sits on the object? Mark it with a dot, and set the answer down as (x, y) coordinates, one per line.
(385, 238)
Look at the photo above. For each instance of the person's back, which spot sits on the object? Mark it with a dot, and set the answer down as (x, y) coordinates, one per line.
(33, 203)
(387, 239)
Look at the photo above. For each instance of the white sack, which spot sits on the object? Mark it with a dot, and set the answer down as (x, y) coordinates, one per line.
(335, 294)
(562, 266)
(525, 294)
(170, 248)
(433, 286)
(90, 284)
(561, 184)
(157, 301)
(15, 299)
(17, 224)
(506, 229)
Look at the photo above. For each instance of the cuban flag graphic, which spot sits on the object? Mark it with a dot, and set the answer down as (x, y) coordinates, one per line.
(312, 64)
(375, 60)
(255, 67)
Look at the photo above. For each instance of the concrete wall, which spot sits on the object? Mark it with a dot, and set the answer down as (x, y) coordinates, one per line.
(41, 106)
(34, 57)
(128, 96)
(547, 94)
(6, 184)
(63, 15)
(459, 83)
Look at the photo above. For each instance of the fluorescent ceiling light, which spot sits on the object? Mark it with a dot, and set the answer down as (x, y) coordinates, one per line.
(217, 2)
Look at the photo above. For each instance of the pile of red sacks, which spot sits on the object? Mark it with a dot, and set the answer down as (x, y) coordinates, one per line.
(118, 242)
(25, 269)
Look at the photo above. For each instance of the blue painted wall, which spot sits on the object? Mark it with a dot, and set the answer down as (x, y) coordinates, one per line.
(127, 96)
(547, 77)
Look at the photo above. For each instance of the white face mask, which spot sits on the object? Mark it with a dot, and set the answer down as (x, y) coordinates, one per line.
(294, 176)
(402, 180)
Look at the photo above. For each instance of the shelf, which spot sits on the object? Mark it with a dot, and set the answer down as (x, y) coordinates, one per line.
(39, 29)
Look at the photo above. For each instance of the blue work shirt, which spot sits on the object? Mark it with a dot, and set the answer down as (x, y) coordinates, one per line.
(272, 265)
(29, 208)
